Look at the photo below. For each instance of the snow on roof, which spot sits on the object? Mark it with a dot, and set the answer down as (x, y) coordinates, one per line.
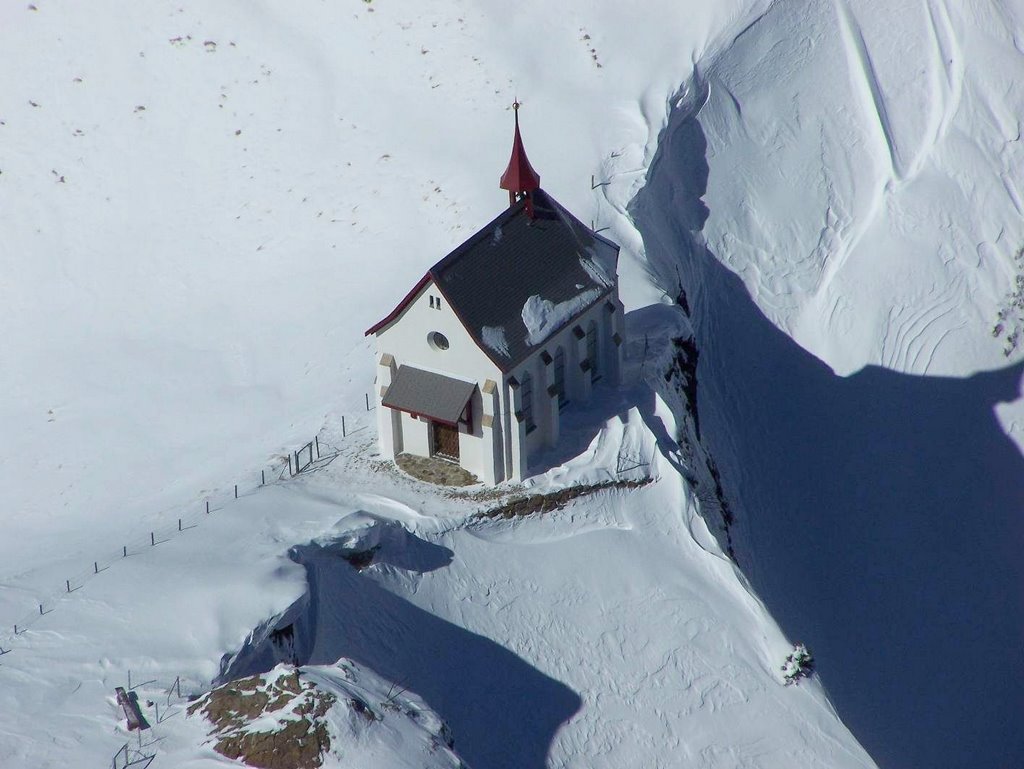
(552, 260)
(494, 337)
(543, 318)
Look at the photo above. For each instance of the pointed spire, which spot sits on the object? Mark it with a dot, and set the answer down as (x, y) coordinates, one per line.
(519, 178)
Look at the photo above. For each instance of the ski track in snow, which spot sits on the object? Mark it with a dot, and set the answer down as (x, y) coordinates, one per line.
(872, 95)
(951, 64)
(945, 87)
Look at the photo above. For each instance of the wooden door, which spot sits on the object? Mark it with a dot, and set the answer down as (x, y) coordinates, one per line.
(446, 441)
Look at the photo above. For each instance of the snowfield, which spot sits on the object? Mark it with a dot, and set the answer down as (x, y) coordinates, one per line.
(866, 164)
(203, 206)
(533, 639)
(865, 422)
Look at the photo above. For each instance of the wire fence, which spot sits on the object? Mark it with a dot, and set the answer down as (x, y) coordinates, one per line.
(310, 456)
(157, 704)
(127, 757)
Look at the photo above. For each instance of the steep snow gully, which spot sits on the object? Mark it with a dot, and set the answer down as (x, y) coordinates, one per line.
(878, 515)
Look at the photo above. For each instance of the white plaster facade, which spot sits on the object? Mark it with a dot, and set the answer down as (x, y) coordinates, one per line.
(513, 414)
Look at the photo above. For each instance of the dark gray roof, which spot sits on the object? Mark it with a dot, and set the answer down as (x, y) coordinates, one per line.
(489, 278)
(433, 395)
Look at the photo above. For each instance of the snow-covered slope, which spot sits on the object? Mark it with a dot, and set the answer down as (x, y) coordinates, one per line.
(866, 177)
(204, 206)
(820, 179)
(611, 633)
(323, 715)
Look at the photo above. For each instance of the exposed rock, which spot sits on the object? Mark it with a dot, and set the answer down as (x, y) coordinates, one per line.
(300, 740)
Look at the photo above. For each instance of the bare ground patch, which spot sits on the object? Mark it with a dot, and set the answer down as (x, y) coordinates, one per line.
(436, 471)
(299, 743)
(546, 503)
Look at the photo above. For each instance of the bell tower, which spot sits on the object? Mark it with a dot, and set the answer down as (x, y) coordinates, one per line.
(519, 178)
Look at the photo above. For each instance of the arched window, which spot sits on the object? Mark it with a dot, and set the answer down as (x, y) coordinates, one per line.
(592, 354)
(560, 377)
(526, 393)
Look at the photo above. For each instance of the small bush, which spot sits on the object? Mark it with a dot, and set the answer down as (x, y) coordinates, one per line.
(799, 664)
(1010, 319)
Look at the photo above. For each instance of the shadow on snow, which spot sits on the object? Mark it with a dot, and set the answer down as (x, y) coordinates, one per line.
(879, 515)
(580, 424)
(502, 711)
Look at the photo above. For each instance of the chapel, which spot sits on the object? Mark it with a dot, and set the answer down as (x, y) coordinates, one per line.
(480, 360)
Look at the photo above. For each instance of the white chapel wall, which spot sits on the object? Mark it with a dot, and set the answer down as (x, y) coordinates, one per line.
(406, 339)
(578, 383)
(415, 435)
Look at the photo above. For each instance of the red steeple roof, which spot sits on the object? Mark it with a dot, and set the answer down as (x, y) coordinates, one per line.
(519, 177)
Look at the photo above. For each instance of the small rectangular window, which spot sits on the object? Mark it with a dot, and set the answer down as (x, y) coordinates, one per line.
(431, 301)
(438, 305)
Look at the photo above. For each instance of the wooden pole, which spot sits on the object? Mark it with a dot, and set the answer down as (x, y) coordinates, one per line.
(342, 426)
(67, 582)
(316, 440)
(124, 551)
(95, 567)
(207, 507)
(263, 477)
(367, 401)
(179, 524)
(152, 539)
(236, 491)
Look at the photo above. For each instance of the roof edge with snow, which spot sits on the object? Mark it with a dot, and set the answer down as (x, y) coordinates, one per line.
(488, 279)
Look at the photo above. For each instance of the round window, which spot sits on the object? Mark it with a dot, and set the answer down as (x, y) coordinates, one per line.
(437, 340)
